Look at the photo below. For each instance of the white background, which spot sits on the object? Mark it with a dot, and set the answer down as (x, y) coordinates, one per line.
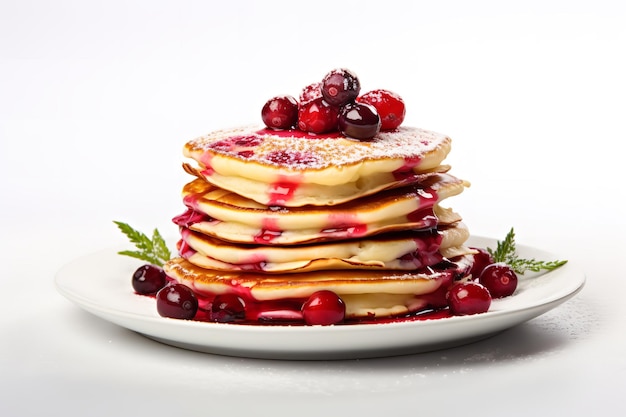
(98, 98)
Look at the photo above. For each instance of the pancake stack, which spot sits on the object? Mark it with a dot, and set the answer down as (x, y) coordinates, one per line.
(274, 216)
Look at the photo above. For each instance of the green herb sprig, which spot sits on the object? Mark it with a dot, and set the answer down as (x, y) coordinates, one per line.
(153, 250)
(506, 252)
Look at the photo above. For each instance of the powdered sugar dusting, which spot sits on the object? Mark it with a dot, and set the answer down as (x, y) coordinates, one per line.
(404, 143)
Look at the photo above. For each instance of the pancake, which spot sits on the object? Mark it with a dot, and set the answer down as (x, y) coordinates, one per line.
(399, 251)
(225, 215)
(293, 169)
(366, 294)
(276, 216)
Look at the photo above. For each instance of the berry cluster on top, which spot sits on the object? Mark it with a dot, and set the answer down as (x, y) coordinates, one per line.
(335, 104)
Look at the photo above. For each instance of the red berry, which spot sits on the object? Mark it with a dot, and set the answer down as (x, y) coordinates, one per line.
(500, 279)
(390, 107)
(227, 308)
(148, 279)
(317, 116)
(340, 86)
(465, 298)
(359, 121)
(280, 112)
(481, 259)
(311, 92)
(177, 301)
(323, 308)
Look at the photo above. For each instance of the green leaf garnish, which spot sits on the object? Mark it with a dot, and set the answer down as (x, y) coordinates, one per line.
(153, 250)
(506, 252)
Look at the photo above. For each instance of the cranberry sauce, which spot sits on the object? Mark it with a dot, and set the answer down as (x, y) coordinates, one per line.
(184, 249)
(242, 146)
(427, 250)
(409, 165)
(282, 191)
(190, 217)
(291, 158)
(269, 232)
(237, 143)
(425, 214)
(427, 314)
(297, 133)
(424, 218)
(348, 231)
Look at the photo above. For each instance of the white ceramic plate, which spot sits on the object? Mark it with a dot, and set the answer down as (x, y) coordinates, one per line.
(101, 284)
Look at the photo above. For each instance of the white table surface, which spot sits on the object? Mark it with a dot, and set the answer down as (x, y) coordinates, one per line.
(97, 99)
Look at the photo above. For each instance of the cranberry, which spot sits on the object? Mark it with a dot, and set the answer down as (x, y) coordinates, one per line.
(481, 259)
(280, 112)
(390, 107)
(465, 298)
(311, 92)
(359, 121)
(148, 279)
(323, 308)
(340, 86)
(500, 279)
(177, 301)
(227, 308)
(317, 116)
